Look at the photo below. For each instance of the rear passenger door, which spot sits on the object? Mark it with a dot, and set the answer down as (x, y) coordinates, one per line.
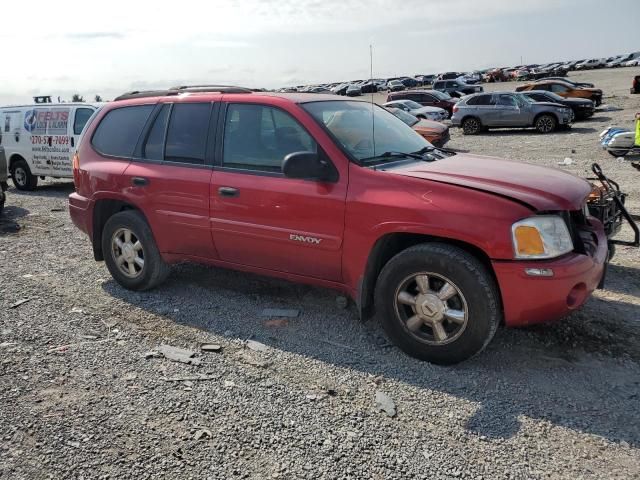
(170, 174)
(262, 219)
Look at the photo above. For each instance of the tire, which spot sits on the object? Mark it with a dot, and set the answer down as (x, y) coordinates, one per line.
(3, 199)
(153, 270)
(476, 303)
(22, 177)
(618, 153)
(471, 126)
(546, 123)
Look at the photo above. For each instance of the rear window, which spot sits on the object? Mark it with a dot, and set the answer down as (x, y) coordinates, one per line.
(118, 132)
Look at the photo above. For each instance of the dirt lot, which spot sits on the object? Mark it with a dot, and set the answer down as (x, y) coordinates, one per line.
(79, 397)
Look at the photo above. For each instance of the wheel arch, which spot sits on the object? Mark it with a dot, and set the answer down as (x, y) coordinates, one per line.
(15, 157)
(546, 112)
(389, 245)
(102, 211)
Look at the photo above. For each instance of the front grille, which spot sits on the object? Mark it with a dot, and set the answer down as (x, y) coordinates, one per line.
(585, 241)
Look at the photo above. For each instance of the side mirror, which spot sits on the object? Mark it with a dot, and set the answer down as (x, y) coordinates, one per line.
(308, 166)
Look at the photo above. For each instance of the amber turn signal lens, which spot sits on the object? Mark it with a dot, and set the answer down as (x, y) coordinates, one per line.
(528, 241)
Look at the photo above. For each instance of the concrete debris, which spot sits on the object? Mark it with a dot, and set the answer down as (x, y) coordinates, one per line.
(210, 347)
(566, 161)
(19, 302)
(384, 403)
(201, 433)
(180, 355)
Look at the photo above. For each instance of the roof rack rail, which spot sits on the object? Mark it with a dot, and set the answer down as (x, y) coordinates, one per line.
(145, 94)
(212, 88)
(182, 89)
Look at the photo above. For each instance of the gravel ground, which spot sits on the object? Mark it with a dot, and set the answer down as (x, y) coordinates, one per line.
(81, 397)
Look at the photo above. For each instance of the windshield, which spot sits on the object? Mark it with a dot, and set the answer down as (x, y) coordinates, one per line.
(353, 124)
(440, 95)
(405, 117)
(412, 105)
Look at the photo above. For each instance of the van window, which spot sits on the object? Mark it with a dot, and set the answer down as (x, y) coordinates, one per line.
(81, 118)
(258, 138)
(187, 133)
(119, 130)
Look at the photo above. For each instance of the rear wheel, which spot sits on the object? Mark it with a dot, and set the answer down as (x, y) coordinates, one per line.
(471, 126)
(438, 303)
(130, 252)
(546, 123)
(22, 177)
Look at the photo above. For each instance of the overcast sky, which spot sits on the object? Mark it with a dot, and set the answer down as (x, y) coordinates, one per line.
(106, 48)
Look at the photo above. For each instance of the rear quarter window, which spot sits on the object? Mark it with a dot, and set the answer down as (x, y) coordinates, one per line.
(119, 130)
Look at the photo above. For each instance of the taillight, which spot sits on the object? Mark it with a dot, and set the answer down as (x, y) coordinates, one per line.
(455, 108)
(76, 169)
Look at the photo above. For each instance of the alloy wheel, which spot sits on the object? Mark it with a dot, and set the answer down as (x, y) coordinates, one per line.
(545, 124)
(432, 308)
(127, 252)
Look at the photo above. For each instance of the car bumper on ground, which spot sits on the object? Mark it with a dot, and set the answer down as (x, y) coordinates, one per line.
(80, 212)
(531, 299)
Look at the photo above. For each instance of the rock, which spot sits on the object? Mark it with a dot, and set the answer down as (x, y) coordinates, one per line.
(210, 347)
(566, 161)
(384, 403)
(229, 384)
(342, 301)
(249, 359)
(256, 346)
(280, 312)
(201, 433)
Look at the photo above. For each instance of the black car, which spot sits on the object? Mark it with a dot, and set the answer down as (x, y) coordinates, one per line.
(353, 90)
(582, 107)
(368, 87)
(456, 88)
(409, 82)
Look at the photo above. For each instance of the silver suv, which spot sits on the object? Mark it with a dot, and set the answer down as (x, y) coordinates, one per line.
(482, 111)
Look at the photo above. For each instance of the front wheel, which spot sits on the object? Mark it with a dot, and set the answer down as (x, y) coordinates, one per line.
(438, 303)
(130, 252)
(22, 177)
(546, 123)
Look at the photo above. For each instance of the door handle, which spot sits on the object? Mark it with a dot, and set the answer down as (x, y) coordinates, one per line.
(228, 192)
(140, 181)
(73, 142)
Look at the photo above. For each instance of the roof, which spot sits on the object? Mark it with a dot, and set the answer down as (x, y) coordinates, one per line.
(295, 97)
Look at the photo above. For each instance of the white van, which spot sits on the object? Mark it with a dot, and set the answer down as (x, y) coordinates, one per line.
(40, 140)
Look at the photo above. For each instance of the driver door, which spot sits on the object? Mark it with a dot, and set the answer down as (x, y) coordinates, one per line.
(260, 218)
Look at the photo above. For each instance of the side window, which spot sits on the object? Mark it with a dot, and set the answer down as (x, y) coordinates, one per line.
(119, 130)
(80, 120)
(543, 86)
(438, 85)
(187, 133)
(506, 101)
(481, 100)
(258, 137)
(558, 88)
(154, 146)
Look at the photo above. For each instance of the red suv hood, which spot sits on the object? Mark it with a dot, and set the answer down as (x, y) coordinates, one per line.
(542, 188)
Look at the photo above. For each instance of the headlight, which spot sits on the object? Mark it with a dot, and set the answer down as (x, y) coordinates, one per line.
(544, 236)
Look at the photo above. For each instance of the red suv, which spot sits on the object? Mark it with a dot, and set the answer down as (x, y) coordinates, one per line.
(333, 192)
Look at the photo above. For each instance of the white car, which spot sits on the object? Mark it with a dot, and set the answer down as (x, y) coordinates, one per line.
(632, 63)
(428, 113)
(591, 63)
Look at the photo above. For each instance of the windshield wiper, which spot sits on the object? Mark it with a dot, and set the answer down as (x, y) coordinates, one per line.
(392, 155)
(422, 151)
